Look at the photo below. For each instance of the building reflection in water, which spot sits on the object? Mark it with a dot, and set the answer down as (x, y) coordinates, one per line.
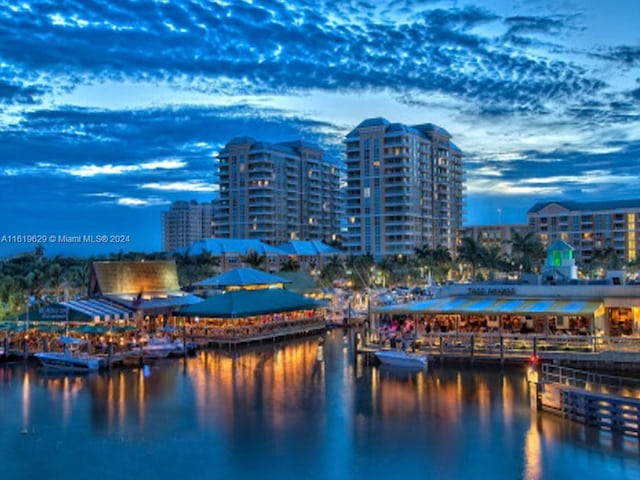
(320, 389)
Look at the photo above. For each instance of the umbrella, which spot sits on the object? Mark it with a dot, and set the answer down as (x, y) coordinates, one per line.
(50, 328)
(17, 328)
(124, 328)
(91, 329)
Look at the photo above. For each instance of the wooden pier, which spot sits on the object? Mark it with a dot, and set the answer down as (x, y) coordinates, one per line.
(229, 341)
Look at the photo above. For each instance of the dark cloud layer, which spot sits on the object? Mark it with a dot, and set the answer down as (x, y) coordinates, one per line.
(62, 164)
(275, 48)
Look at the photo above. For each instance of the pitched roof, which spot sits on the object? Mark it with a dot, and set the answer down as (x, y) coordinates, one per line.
(222, 246)
(247, 303)
(242, 277)
(593, 206)
(300, 282)
(115, 278)
(308, 247)
(559, 245)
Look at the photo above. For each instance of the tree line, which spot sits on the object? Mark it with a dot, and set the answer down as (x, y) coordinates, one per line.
(35, 278)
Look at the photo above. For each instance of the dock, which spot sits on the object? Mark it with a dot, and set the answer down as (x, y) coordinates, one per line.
(273, 336)
(607, 402)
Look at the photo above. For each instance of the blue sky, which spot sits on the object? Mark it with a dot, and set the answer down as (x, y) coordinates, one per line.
(110, 110)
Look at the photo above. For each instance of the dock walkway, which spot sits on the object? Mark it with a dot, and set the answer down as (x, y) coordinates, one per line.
(607, 402)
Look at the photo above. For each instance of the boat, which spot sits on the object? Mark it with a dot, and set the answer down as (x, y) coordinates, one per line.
(162, 347)
(400, 358)
(71, 359)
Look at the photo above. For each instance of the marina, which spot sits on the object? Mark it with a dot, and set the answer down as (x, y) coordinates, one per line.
(307, 408)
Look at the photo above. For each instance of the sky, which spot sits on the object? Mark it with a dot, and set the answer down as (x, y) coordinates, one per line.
(111, 110)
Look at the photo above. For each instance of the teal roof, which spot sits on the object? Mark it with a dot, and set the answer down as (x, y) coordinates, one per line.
(308, 247)
(241, 277)
(300, 282)
(559, 245)
(247, 303)
(225, 246)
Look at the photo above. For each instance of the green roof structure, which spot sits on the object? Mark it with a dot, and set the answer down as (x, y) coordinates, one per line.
(247, 303)
(242, 277)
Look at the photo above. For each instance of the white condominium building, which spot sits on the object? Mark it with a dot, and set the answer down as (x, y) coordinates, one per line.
(404, 188)
(277, 192)
(185, 223)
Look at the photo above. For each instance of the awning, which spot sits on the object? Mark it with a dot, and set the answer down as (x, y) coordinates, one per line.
(87, 310)
(494, 306)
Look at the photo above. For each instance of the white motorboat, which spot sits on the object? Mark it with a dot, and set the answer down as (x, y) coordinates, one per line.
(71, 359)
(162, 347)
(400, 358)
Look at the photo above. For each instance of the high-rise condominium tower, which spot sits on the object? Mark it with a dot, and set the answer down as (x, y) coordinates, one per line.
(185, 223)
(404, 188)
(277, 192)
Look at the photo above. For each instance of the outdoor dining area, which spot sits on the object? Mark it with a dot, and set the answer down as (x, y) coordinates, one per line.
(94, 321)
(247, 316)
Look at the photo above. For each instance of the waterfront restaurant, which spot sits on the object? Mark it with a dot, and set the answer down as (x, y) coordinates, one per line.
(150, 289)
(251, 306)
(76, 311)
(601, 310)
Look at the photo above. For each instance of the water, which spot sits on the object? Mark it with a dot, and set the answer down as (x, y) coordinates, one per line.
(306, 410)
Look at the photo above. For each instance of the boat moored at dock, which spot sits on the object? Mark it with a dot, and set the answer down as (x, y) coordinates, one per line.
(71, 359)
(401, 358)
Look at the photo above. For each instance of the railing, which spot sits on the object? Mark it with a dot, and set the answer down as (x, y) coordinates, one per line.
(591, 381)
(516, 342)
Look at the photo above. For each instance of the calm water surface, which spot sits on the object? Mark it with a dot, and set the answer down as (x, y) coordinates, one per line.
(306, 410)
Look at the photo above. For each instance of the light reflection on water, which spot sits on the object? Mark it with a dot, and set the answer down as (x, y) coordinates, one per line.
(309, 409)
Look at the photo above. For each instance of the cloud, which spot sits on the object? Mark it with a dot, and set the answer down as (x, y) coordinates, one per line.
(272, 46)
(188, 186)
(624, 54)
(140, 202)
(108, 169)
(14, 92)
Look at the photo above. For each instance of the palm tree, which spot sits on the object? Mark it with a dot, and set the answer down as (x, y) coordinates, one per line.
(208, 263)
(359, 269)
(437, 261)
(55, 278)
(494, 261)
(472, 254)
(333, 269)
(255, 260)
(290, 265)
(527, 251)
(605, 258)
